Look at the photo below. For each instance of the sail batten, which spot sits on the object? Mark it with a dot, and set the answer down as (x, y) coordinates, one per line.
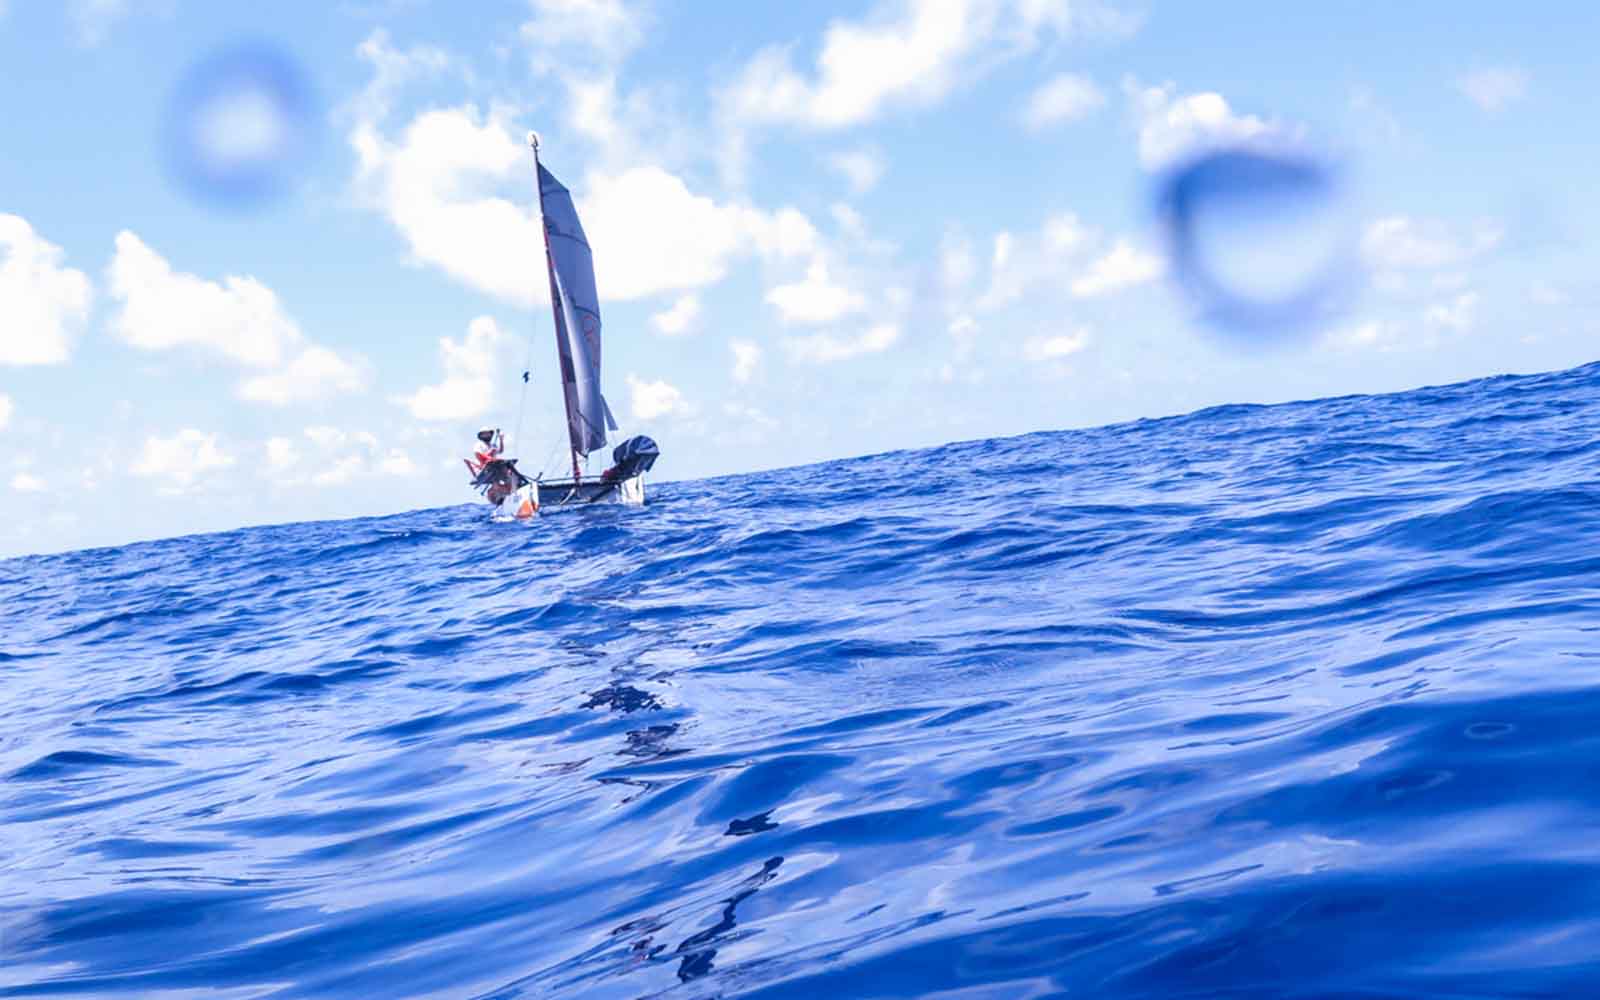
(576, 308)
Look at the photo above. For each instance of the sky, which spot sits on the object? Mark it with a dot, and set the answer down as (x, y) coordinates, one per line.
(278, 262)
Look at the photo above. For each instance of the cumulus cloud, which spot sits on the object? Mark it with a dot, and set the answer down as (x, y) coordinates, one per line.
(651, 399)
(332, 456)
(24, 482)
(282, 455)
(1066, 97)
(470, 366)
(658, 236)
(314, 373)
(958, 264)
(907, 53)
(1172, 126)
(825, 348)
(43, 305)
(392, 69)
(439, 184)
(678, 319)
(1123, 266)
(1400, 243)
(606, 29)
(238, 319)
(182, 460)
(1494, 88)
(431, 184)
(816, 299)
(1366, 334)
(862, 168)
(1458, 314)
(746, 359)
(1019, 263)
(1056, 347)
(748, 415)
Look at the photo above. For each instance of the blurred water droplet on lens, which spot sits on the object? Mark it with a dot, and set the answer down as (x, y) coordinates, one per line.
(1261, 239)
(241, 125)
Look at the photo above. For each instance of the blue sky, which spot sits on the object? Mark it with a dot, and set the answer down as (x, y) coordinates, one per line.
(819, 231)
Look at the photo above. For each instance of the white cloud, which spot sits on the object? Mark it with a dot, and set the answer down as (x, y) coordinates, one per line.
(6, 409)
(748, 415)
(239, 319)
(658, 236)
(1017, 264)
(1494, 88)
(849, 220)
(1054, 348)
(43, 305)
(824, 348)
(606, 28)
(397, 463)
(392, 69)
(908, 53)
(863, 168)
(655, 399)
(22, 482)
(1371, 333)
(1399, 243)
(182, 459)
(1172, 126)
(1458, 314)
(1124, 266)
(746, 359)
(282, 455)
(468, 387)
(437, 185)
(1065, 98)
(431, 185)
(679, 318)
(334, 457)
(958, 265)
(816, 299)
(315, 373)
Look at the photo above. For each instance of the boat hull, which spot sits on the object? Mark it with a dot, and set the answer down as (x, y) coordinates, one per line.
(561, 493)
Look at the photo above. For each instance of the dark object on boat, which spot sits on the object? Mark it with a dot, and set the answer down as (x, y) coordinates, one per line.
(502, 472)
(631, 457)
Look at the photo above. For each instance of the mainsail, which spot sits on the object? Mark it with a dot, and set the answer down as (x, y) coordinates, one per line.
(576, 306)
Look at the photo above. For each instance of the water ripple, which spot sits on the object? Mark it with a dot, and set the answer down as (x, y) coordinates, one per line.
(1291, 701)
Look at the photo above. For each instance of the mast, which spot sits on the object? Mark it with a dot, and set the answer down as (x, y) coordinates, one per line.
(555, 298)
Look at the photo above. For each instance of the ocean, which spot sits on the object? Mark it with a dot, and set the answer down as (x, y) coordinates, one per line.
(1262, 701)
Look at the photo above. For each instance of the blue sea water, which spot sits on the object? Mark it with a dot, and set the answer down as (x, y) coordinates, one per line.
(1288, 701)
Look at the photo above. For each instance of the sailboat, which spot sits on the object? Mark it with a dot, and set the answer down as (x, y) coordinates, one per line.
(575, 308)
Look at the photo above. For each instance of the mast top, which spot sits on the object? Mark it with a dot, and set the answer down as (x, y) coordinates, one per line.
(533, 140)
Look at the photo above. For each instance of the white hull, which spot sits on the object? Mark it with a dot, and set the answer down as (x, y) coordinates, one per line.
(562, 493)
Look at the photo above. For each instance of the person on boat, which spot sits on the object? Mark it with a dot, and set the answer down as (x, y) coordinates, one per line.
(490, 444)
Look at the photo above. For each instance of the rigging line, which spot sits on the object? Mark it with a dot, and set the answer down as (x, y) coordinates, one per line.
(522, 403)
(527, 364)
